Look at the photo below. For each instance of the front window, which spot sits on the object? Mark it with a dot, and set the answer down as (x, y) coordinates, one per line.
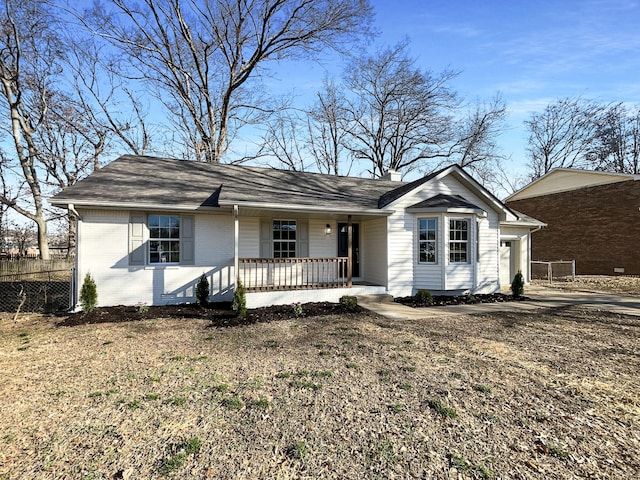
(427, 240)
(164, 239)
(458, 241)
(284, 238)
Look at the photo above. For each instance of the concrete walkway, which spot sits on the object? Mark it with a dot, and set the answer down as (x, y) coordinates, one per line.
(541, 297)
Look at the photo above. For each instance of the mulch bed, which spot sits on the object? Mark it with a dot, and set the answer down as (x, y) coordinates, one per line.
(220, 314)
(441, 300)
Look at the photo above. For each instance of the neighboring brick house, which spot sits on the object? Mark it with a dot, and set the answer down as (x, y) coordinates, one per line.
(592, 218)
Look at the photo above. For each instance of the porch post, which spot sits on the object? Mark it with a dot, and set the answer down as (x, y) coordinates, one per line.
(236, 235)
(349, 252)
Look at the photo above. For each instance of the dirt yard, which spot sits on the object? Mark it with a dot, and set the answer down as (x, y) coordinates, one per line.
(550, 394)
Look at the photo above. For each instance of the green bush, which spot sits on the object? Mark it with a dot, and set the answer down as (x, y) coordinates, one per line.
(202, 291)
(239, 303)
(424, 297)
(88, 294)
(349, 303)
(517, 285)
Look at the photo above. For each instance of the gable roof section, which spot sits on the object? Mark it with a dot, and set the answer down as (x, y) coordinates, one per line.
(143, 182)
(568, 179)
(467, 180)
(393, 195)
(445, 203)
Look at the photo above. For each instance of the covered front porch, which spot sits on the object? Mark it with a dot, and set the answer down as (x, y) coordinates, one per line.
(285, 257)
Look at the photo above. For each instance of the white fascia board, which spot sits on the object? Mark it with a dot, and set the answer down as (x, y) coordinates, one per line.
(556, 170)
(310, 208)
(522, 223)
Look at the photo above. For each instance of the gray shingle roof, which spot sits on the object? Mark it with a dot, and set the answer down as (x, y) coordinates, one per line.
(144, 180)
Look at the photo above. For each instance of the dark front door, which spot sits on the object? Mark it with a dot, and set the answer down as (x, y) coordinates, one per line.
(343, 246)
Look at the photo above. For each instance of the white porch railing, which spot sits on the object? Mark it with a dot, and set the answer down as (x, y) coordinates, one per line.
(259, 274)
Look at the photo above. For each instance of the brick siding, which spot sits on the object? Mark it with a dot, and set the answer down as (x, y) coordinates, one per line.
(598, 227)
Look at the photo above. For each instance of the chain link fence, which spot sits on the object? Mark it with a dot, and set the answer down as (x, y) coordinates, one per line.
(23, 287)
(559, 270)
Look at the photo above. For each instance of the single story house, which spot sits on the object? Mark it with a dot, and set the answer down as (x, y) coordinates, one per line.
(592, 217)
(148, 228)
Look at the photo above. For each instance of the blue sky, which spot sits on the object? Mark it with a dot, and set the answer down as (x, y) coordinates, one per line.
(530, 52)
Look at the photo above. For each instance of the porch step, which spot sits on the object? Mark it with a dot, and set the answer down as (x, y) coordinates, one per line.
(374, 298)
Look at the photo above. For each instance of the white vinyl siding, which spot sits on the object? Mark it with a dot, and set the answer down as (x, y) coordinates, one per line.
(400, 248)
(249, 237)
(322, 245)
(481, 276)
(373, 241)
(104, 252)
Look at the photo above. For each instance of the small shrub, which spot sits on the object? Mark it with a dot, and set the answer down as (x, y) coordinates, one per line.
(349, 303)
(517, 285)
(296, 308)
(142, 307)
(424, 297)
(88, 294)
(202, 291)
(239, 303)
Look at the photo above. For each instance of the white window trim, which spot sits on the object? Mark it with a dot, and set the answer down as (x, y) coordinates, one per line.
(435, 241)
(467, 241)
(149, 263)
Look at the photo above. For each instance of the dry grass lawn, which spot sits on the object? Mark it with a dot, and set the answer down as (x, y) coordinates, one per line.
(550, 394)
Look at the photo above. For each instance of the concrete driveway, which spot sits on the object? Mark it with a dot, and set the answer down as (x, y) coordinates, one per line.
(541, 297)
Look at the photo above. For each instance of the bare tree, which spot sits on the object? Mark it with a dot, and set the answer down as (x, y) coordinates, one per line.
(20, 237)
(477, 137)
(199, 55)
(284, 140)
(400, 115)
(327, 125)
(28, 49)
(617, 143)
(562, 135)
(311, 139)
